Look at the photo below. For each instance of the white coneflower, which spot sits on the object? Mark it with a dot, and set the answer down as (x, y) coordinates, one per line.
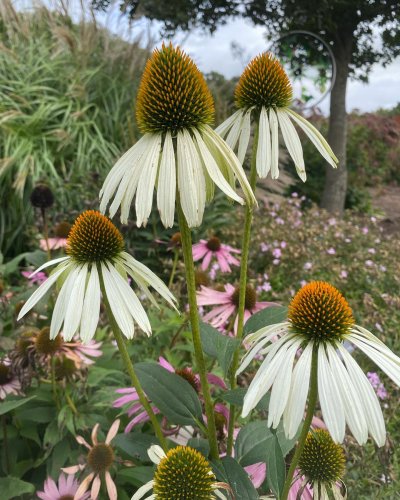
(264, 94)
(322, 464)
(95, 251)
(320, 320)
(179, 150)
(182, 473)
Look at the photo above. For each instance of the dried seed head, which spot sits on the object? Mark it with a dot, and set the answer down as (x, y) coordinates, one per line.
(319, 312)
(189, 376)
(264, 83)
(44, 345)
(182, 475)
(94, 238)
(173, 94)
(42, 196)
(5, 374)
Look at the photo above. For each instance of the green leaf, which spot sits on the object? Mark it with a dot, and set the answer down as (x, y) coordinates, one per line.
(11, 405)
(252, 443)
(173, 395)
(236, 397)
(265, 317)
(135, 444)
(200, 445)
(285, 443)
(12, 487)
(41, 414)
(136, 475)
(276, 469)
(218, 346)
(229, 471)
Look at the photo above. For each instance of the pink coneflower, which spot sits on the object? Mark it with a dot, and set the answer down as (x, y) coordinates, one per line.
(66, 489)
(131, 397)
(9, 383)
(99, 459)
(38, 278)
(82, 353)
(227, 303)
(54, 243)
(206, 250)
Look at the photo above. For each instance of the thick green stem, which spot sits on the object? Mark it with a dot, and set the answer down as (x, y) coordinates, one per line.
(242, 290)
(130, 369)
(174, 264)
(312, 401)
(194, 320)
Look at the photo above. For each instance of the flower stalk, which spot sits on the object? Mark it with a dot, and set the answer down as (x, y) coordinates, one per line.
(312, 401)
(130, 369)
(242, 289)
(195, 324)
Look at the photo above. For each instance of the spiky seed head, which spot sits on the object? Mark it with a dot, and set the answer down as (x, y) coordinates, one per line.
(42, 196)
(173, 94)
(250, 298)
(322, 459)
(183, 474)
(62, 229)
(214, 244)
(100, 457)
(176, 240)
(45, 345)
(5, 373)
(319, 312)
(264, 83)
(189, 376)
(94, 238)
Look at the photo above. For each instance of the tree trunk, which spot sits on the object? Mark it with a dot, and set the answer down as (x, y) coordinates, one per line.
(334, 195)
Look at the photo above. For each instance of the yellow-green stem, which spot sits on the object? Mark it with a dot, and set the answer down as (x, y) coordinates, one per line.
(195, 324)
(312, 401)
(174, 264)
(130, 369)
(242, 291)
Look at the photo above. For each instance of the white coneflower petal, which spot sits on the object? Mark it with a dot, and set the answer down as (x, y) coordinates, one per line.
(368, 397)
(47, 264)
(255, 350)
(91, 307)
(223, 129)
(351, 402)
(292, 141)
(40, 292)
(145, 188)
(315, 137)
(294, 410)
(166, 187)
(273, 121)
(143, 490)
(330, 398)
(117, 304)
(73, 313)
(213, 171)
(62, 302)
(156, 454)
(234, 133)
(281, 387)
(244, 136)
(263, 156)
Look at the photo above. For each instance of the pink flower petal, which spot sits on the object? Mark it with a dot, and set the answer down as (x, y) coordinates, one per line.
(111, 488)
(113, 431)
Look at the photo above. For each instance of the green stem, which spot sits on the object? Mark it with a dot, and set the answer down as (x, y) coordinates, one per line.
(174, 264)
(194, 320)
(242, 290)
(130, 369)
(54, 382)
(312, 401)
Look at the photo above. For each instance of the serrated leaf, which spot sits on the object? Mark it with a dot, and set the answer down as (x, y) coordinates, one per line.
(173, 396)
(276, 469)
(265, 317)
(7, 406)
(12, 487)
(218, 346)
(229, 471)
(135, 444)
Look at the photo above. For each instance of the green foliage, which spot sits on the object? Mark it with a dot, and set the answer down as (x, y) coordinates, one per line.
(66, 112)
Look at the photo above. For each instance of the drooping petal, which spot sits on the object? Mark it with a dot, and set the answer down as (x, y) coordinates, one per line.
(273, 122)
(145, 188)
(166, 186)
(292, 141)
(223, 129)
(73, 314)
(40, 292)
(111, 488)
(47, 264)
(244, 136)
(296, 404)
(233, 135)
(330, 398)
(91, 307)
(263, 156)
(62, 301)
(143, 490)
